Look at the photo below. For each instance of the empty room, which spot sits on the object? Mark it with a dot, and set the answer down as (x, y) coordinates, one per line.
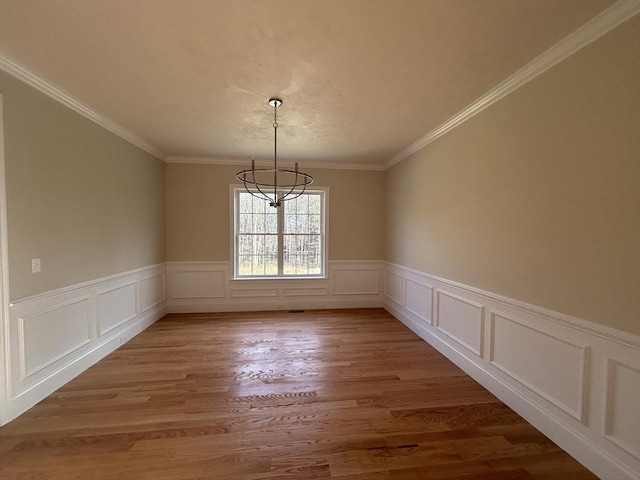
(316, 239)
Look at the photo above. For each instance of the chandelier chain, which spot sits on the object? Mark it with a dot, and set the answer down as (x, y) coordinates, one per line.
(275, 116)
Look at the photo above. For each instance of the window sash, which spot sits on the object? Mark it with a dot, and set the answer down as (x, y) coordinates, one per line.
(310, 245)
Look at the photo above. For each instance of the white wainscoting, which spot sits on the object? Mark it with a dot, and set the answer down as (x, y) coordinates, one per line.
(576, 381)
(56, 335)
(209, 287)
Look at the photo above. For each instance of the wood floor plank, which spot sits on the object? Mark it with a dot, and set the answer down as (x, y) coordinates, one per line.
(349, 394)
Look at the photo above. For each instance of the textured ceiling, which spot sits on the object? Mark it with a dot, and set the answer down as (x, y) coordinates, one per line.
(360, 80)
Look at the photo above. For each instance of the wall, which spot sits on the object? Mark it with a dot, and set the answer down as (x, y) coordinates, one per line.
(199, 269)
(91, 206)
(512, 246)
(198, 218)
(84, 201)
(536, 197)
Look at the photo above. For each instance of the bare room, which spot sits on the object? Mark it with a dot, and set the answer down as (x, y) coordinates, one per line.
(318, 239)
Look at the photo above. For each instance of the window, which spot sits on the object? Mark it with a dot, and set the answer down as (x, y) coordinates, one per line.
(279, 242)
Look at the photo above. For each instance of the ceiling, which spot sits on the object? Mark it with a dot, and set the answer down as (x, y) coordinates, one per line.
(360, 80)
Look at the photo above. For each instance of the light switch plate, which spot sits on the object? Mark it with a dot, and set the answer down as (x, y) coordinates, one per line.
(36, 266)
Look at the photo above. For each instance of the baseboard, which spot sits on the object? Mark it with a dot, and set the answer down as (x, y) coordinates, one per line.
(209, 287)
(57, 335)
(565, 376)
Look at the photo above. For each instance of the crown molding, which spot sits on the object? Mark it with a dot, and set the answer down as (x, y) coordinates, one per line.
(610, 18)
(606, 21)
(67, 100)
(265, 163)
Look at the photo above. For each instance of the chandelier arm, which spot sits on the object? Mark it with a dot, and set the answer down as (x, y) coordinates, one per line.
(293, 187)
(253, 194)
(264, 195)
(242, 176)
(297, 194)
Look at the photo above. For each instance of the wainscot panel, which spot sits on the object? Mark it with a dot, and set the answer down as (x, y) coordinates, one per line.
(393, 287)
(305, 292)
(576, 381)
(461, 319)
(419, 300)
(53, 333)
(349, 284)
(622, 411)
(560, 365)
(152, 291)
(252, 292)
(116, 306)
(356, 281)
(197, 284)
(57, 335)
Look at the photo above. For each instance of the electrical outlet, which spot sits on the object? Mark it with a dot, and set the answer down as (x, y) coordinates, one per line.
(36, 265)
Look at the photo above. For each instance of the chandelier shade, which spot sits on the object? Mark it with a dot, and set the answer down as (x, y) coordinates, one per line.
(274, 185)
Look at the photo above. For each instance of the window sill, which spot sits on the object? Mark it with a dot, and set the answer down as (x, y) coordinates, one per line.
(286, 278)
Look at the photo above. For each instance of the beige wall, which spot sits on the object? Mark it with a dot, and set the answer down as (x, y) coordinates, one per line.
(198, 212)
(537, 197)
(86, 202)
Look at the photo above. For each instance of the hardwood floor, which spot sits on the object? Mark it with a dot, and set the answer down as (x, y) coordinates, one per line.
(350, 394)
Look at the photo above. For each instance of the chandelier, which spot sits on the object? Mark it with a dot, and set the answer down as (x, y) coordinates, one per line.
(274, 185)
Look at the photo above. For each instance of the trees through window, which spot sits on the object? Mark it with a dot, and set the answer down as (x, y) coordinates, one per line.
(286, 241)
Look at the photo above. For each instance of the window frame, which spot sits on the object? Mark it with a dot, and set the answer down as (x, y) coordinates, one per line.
(234, 192)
